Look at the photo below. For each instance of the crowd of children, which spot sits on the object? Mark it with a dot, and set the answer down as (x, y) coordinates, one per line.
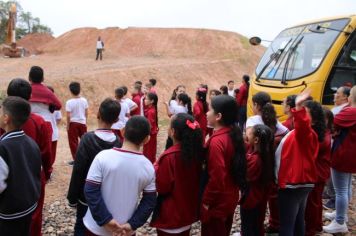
(215, 159)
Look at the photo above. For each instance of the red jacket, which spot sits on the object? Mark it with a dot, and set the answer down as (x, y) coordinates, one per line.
(221, 194)
(150, 114)
(242, 95)
(323, 161)
(289, 123)
(136, 97)
(177, 182)
(257, 191)
(297, 153)
(343, 153)
(38, 129)
(42, 94)
(200, 116)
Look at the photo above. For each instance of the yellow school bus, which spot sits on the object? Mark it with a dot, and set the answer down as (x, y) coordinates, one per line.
(320, 55)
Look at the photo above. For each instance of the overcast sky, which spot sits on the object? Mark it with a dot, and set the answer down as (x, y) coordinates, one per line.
(265, 18)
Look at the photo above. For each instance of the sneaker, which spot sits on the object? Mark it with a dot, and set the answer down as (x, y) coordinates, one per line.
(335, 227)
(332, 216)
(329, 205)
(71, 163)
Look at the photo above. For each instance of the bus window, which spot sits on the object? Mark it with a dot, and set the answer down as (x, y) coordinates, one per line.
(343, 72)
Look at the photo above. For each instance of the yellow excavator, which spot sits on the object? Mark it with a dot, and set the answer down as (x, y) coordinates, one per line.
(10, 49)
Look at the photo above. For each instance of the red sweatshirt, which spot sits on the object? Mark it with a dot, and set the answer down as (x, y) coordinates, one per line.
(150, 114)
(323, 161)
(177, 182)
(136, 97)
(42, 94)
(257, 191)
(221, 194)
(297, 153)
(289, 123)
(36, 128)
(200, 116)
(343, 154)
(242, 95)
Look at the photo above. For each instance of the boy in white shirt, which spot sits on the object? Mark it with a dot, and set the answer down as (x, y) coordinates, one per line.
(77, 115)
(115, 182)
(132, 105)
(231, 89)
(124, 113)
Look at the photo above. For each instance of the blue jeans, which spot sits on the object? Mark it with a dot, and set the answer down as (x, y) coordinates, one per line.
(79, 228)
(343, 189)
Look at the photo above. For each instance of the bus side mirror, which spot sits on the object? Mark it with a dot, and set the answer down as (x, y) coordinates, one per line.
(255, 41)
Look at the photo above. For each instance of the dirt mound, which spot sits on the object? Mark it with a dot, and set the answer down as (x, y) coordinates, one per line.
(32, 42)
(152, 42)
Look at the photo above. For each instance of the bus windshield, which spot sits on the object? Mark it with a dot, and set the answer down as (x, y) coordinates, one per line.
(297, 52)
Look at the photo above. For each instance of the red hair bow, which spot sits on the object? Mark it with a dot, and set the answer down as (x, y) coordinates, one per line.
(192, 125)
(202, 90)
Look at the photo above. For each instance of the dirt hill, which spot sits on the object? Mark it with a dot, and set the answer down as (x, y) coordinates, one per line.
(152, 42)
(32, 42)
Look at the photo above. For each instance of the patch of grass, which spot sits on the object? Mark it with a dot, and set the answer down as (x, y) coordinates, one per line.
(245, 43)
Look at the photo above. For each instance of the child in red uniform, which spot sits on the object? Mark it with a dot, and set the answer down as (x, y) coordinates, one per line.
(314, 208)
(177, 178)
(36, 128)
(136, 97)
(259, 159)
(150, 148)
(288, 104)
(77, 115)
(226, 167)
(296, 170)
(200, 109)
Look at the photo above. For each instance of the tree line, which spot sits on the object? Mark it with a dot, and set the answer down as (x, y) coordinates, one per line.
(26, 22)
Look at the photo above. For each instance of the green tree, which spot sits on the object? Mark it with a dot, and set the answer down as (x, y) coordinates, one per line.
(26, 22)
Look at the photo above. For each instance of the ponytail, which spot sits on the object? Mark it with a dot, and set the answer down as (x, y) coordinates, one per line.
(318, 118)
(269, 116)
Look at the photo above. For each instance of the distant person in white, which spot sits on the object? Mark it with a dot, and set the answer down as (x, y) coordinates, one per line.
(99, 49)
(231, 88)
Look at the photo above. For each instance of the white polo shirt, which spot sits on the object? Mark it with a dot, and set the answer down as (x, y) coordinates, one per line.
(77, 107)
(257, 120)
(123, 176)
(121, 123)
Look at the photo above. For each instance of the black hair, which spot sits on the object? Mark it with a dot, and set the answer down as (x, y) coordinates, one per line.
(137, 129)
(153, 97)
(109, 110)
(318, 121)
(290, 101)
(246, 78)
(185, 99)
(138, 82)
(227, 107)
(204, 86)
(230, 81)
(223, 90)
(138, 87)
(329, 119)
(217, 92)
(268, 113)
(19, 88)
(74, 88)
(119, 93)
(36, 74)
(174, 94)
(125, 89)
(201, 95)
(265, 149)
(153, 81)
(190, 139)
(18, 109)
(346, 91)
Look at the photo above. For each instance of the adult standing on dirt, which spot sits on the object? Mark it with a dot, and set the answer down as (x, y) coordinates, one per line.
(99, 49)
